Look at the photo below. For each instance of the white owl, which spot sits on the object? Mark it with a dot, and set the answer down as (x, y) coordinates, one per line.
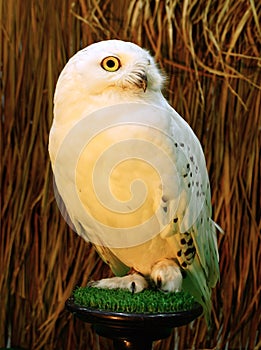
(132, 174)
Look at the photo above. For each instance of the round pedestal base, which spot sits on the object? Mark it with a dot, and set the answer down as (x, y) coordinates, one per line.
(133, 331)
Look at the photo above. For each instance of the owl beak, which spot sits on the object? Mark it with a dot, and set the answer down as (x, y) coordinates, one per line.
(143, 81)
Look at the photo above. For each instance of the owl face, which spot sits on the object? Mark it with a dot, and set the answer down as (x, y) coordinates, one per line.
(114, 64)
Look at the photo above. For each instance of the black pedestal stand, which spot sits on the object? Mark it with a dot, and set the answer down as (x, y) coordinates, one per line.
(133, 331)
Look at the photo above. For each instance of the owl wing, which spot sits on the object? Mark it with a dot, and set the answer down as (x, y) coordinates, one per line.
(193, 228)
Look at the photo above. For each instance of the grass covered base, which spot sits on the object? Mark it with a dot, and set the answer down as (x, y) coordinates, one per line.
(119, 300)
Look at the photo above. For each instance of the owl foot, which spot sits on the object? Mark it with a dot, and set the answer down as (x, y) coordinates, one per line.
(135, 283)
(167, 276)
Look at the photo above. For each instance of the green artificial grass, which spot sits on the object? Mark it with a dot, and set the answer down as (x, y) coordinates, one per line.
(119, 300)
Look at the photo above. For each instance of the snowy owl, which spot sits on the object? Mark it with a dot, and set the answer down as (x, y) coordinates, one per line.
(132, 174)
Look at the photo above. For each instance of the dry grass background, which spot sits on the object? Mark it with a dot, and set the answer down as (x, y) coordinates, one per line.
(211, 52)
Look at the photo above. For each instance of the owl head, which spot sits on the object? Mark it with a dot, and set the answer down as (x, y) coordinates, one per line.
(112, 65)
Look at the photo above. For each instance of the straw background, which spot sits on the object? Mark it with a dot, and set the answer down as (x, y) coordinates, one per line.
(210, 50)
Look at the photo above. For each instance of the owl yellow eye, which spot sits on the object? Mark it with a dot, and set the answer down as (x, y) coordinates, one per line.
(111, 63)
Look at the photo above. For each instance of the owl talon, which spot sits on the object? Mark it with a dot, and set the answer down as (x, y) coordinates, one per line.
(91, 284)
(133, 287)
(159, 282)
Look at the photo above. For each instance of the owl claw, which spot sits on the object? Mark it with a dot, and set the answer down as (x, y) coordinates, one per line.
(91, 284)
(133, 287)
